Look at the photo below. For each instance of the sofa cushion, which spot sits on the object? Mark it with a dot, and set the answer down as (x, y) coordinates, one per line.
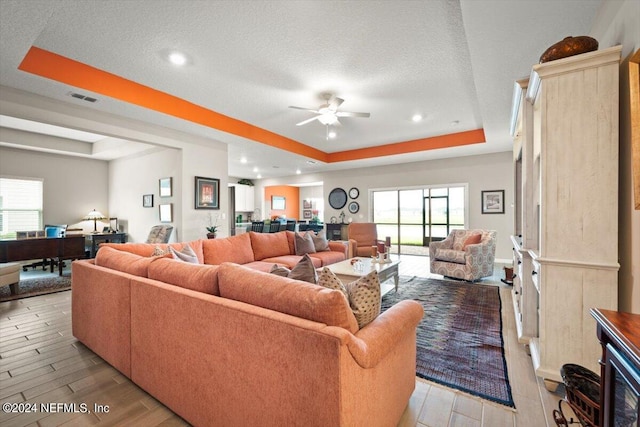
(363, 294)
(328, 257)
(197, 277)
(186, 254)
(269, 245)
(229, 249)
(291, 260)
(303, 270)
(285, 295)
(304, 244)
(450, 255)
(126, 262)
(147, 249)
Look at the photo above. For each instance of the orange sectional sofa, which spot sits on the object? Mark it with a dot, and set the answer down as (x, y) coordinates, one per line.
(224, 345)
(255, 250)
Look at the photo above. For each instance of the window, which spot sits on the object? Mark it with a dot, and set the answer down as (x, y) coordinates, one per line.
(413, 217)
(20, 206)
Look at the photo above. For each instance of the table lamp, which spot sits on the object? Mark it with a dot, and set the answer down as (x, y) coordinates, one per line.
(95, 216)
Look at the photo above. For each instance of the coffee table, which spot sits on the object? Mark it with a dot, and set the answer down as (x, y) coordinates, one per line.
(347, 273)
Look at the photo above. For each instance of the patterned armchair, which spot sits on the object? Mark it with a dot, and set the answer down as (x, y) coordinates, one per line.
(464, 254)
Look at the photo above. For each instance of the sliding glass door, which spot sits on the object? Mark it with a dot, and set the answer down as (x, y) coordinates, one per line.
(414, 217)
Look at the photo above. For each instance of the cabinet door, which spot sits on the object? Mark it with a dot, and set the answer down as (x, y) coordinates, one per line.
(249, 204)
(240, 198)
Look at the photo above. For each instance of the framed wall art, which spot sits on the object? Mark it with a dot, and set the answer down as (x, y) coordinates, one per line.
(493, 202)
(207, 193)
(147, 201)
(166, 212)
(306, 214)
(278, 203)
(166, 187)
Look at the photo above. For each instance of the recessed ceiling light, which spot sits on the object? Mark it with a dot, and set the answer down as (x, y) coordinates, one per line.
(243, 160)
(177, 58)
(259, 176)
(298, 171)
(417, 118)
(332, 134)
(255, 169)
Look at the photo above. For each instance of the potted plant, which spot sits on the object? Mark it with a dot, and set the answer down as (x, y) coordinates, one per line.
(212, 227)
(211, 231)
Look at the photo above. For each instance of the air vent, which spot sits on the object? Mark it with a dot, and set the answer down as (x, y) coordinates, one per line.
(81, 96)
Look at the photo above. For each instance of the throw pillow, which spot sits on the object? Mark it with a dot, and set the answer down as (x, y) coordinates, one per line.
(328, 279)
(472, 240)
(304, 270)
(363, 294)
(304, 244)
(186, 254)
(364, 298)
(158, 251)
(320, 242)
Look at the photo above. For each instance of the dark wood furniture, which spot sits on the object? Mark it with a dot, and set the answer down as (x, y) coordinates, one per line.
(57, 248)
(337, 231)
(619, 335)
(95, 239)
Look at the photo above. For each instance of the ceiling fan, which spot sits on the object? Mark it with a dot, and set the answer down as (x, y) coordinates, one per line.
(328, 113)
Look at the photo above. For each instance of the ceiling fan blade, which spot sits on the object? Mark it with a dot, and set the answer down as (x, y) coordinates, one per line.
(335, 103)
(304, 122)
(302, 108)
(351, 114)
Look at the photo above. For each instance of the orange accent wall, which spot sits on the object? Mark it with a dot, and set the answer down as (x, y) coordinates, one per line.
(68, 71)
(292, 202)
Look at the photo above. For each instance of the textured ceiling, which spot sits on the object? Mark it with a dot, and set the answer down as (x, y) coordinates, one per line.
(452, 61)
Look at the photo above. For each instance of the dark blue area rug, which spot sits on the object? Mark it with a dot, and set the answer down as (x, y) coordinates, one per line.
(459, 342)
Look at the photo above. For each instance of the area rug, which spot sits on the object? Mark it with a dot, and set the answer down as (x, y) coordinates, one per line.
(37, 286)
(459, 340)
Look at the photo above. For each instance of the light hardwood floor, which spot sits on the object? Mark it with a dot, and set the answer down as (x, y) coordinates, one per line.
(41, 362)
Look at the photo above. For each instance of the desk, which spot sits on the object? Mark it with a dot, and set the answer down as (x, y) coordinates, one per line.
(58, 248)
(95, 239)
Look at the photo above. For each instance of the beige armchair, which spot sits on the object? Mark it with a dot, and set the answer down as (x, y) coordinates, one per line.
(362, 236)
(464, 254)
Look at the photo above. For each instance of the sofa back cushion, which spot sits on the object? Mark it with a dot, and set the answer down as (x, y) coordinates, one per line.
(269, 245)
(148, 249)
(230, 249)
(287, 296)
(197, 277)
(126, 262)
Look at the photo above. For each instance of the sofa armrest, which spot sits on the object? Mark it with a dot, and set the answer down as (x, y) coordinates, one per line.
(341, 247)
(373, 342)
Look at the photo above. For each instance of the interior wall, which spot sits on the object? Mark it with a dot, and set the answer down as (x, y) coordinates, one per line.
(483, 172)
(73, 186)
(125, 195)
(618, 22)
(292, 201)
(313, 194)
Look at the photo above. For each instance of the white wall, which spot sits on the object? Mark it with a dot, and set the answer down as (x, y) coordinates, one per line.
(131, 178)
(73, 186)
(618, 22)
(485, 172)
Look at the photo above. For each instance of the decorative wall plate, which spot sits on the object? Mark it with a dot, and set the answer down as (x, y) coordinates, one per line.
(354, 193)
(337, 198)
(354, 207)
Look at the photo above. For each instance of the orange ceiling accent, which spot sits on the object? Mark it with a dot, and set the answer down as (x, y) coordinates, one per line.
(65, 70)
(443, 141)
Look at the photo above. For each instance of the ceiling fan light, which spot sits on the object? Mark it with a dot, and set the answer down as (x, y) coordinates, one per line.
(327, 119)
